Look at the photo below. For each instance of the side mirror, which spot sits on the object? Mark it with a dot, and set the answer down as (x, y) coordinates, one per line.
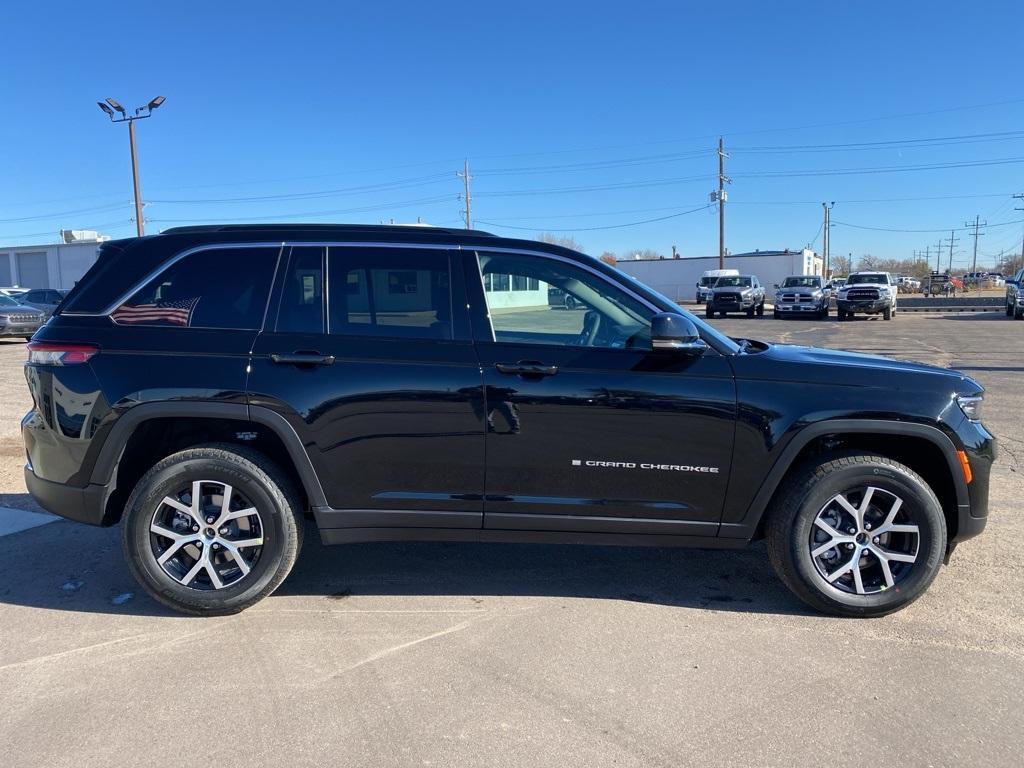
(776, 286)
(675, 333)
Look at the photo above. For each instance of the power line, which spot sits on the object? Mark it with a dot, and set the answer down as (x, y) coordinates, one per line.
(595, 228)
(895, 229)
(937, 141)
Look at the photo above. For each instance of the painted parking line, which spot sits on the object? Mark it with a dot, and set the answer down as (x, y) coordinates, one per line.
(15, 520)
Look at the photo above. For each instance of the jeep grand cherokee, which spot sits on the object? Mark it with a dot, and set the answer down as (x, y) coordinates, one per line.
(208, 386)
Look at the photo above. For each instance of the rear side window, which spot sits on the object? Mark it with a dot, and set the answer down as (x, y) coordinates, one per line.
(389, 293)
(302, 292)
(217, 288)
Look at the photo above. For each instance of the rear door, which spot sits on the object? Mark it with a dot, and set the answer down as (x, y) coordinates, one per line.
(369, 357)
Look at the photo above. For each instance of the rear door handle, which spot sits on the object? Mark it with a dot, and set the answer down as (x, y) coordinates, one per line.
(303, 358)
(527, 368)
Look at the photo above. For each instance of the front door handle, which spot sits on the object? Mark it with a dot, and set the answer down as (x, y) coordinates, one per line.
(303, 358)
(527, 368)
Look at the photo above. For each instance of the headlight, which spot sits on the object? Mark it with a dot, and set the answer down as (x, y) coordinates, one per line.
(971, 406)
(817, 294)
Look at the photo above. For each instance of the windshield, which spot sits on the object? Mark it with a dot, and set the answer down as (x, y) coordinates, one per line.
(7, 301)
(738, 280)
(706, 281)
(802, 282)
(871, 279)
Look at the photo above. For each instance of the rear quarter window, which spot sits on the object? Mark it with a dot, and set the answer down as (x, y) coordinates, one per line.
(214, 288)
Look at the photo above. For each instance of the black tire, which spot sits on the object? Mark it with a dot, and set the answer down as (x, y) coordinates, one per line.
(776, 314)
(721, 314)
(823, 314)
(887, 313)
(28, 338)
(1018, 312)
(752, 311)
(760, 309)
(252, 475)
(1009, 309)
(841, 316)
(709, 312)
(808, 492)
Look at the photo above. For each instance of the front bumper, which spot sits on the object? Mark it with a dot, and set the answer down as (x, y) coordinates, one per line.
(869, 306)
(83, 505)
(798, 307)
(732, 306)
(20, 329)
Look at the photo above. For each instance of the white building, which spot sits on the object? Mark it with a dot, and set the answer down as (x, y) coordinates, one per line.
(677, 278)
(46, 266)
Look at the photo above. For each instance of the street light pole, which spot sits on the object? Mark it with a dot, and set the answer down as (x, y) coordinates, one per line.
(140, 113)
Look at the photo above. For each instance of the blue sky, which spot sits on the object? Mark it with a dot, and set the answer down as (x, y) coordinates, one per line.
(573, 116)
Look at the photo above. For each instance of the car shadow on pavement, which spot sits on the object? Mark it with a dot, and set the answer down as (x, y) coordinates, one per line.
(72, 567)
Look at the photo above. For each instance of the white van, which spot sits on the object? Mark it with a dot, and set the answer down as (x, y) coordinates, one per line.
(707, 282)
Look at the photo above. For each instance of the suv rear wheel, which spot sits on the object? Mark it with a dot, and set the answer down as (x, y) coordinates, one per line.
(211, 530)
(858, 535)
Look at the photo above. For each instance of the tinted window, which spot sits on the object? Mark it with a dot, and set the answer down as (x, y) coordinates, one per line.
(302, 293)
(218, 288)
(35, 296)
(549, 301)
(389, 292)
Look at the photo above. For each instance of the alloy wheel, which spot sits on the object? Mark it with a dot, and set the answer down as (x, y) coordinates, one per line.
(864, 541)
(206, 536)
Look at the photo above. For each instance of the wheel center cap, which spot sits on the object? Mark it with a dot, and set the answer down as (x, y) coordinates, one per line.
(861, 538)
(209, 533)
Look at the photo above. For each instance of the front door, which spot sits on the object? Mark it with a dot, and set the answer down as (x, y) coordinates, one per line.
(369, 358)
(587, 429)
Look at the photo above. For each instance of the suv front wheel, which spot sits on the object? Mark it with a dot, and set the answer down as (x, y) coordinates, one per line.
(857, 535)
(211, 530)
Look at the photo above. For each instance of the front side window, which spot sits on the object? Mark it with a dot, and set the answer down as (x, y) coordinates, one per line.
(216, 288)
(397, 293)
(597, 314)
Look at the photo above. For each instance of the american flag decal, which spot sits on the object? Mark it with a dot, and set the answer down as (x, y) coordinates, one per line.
(177, 312)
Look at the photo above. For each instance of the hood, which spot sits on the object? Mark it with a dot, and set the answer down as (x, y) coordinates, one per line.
(19, 309)
(803, 289)
(829, 366)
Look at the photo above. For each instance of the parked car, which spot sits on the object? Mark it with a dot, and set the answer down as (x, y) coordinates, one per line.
(906, 284)
(836, 283)
(802, 294)
(17, 319)
(736, 293)
(13, 291)
(707, 282)
(870, 293)
(359, 375)
(43, 299)
(1015, 296)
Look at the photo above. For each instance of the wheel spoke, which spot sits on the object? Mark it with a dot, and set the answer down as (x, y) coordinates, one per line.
(857, 580)
(831, 544)
(248, 543)
(899, 557)
(238, 513)
(170, 501)
(172, 550)
(189, 577)
(845, 504)
(239, 560)
(844, 568)
(885, 526)
(211, 571)
(886, 571)
(900, 529)
(160, 530)
(830, 530)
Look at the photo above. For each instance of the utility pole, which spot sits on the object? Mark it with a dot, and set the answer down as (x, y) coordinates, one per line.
(977, 223)
(140, 113)
(952, 241)
(827, 225)
(722, 197)
(928, 256)
(466, 178)
(1020, 197)
(938, 256)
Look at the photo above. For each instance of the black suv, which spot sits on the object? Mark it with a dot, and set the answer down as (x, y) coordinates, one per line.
(208, 386)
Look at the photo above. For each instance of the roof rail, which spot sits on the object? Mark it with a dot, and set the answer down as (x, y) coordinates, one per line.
(383, 228)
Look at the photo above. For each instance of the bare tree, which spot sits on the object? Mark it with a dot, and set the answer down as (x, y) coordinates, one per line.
(565, 242)
(609, 258)
(841, 265)
(647, 254)
(867, 261)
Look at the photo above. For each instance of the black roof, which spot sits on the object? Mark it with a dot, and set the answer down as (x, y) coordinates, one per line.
(392, 229)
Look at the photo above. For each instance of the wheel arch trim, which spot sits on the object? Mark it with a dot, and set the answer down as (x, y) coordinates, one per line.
(746, 527)
(114, 445)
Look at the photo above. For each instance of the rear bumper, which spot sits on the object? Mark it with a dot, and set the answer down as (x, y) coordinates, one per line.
(83, 505)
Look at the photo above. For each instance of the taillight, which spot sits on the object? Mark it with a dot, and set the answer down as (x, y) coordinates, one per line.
(55, 353)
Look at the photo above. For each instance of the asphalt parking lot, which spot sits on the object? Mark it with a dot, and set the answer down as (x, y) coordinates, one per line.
(515, 655)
